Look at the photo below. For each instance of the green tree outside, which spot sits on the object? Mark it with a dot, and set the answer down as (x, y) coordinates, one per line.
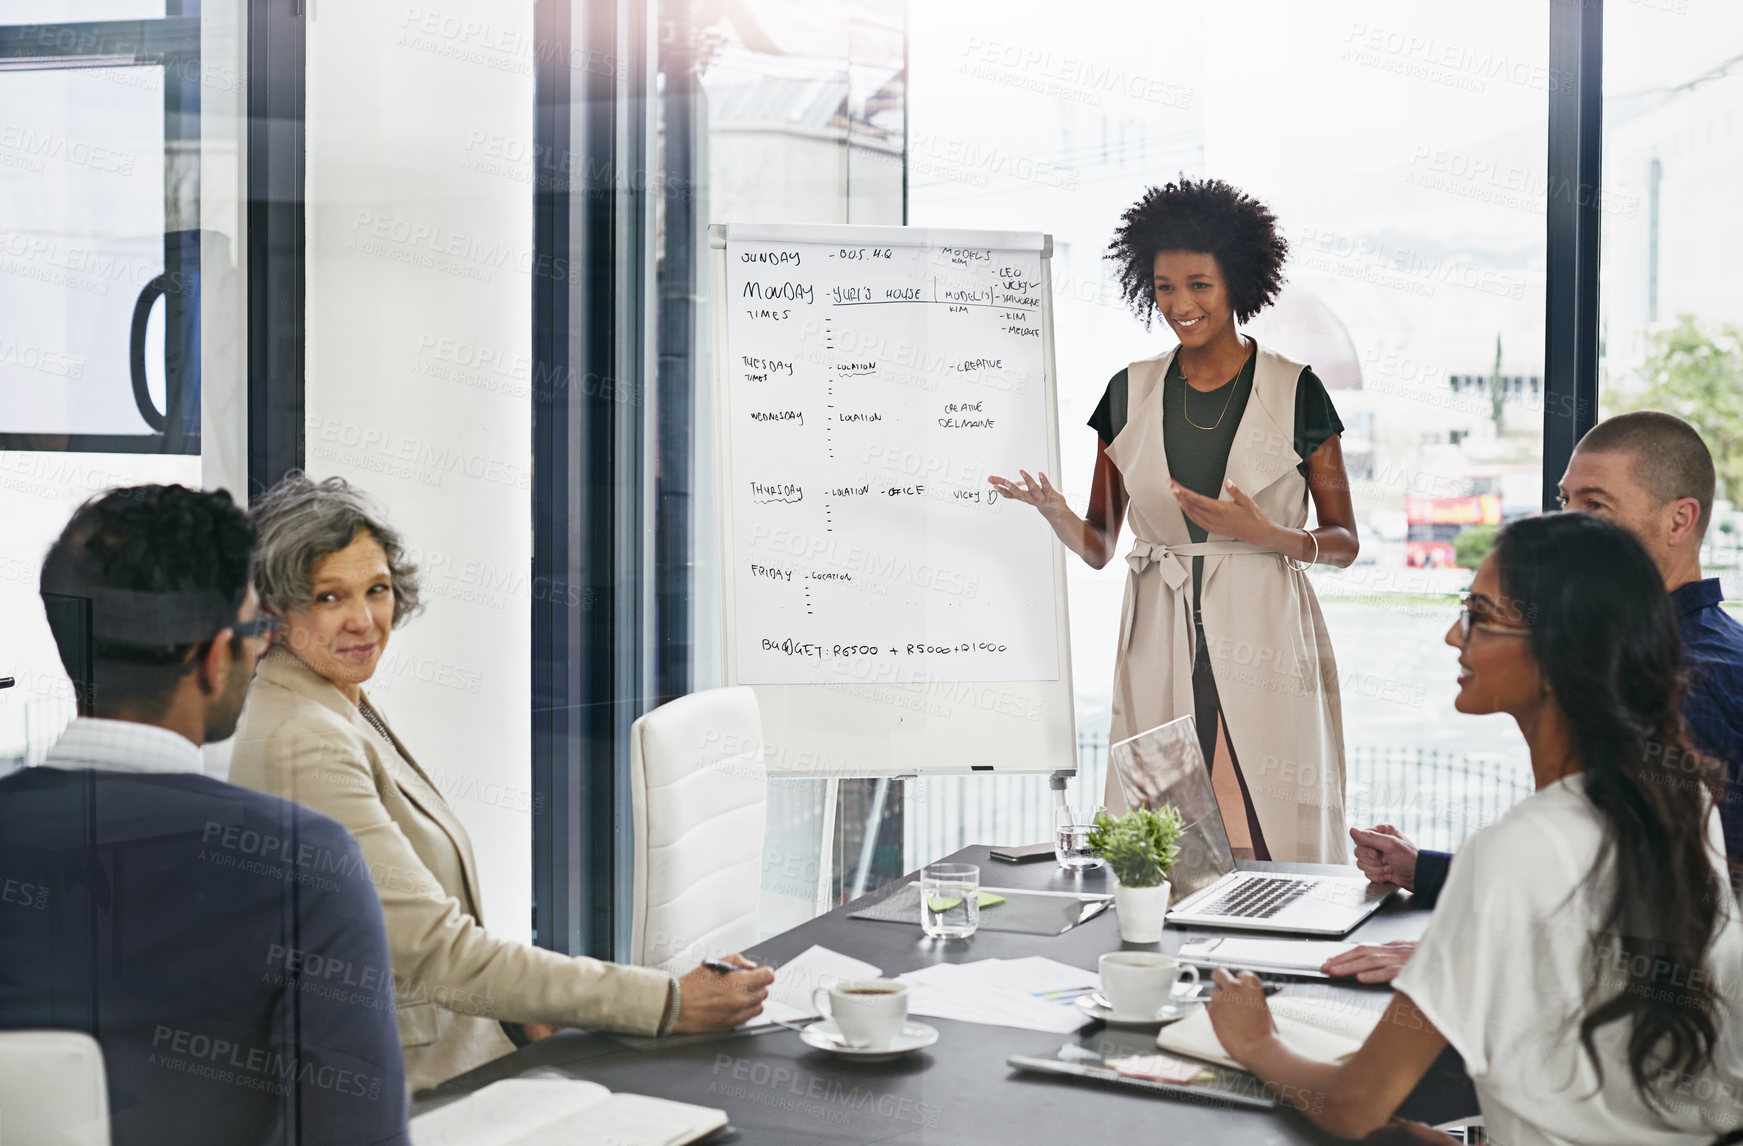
(1473, 544)
(1497, 400)
(1696, 373)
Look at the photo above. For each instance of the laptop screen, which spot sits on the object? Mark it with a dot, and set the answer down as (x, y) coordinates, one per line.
(1166, 766)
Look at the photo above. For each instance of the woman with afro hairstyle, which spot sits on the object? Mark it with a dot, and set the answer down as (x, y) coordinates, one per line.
(1214, 447)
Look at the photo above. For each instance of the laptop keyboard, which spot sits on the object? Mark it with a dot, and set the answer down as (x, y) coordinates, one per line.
(1260, 898)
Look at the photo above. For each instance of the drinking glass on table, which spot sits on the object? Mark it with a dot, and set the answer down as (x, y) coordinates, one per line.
(950, 900)
(1071, 828)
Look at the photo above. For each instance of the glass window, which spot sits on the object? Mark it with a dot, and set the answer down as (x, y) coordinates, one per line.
(120, 290)
(1402, 147)
(1671, 308)
(786, 112)
(63, 11)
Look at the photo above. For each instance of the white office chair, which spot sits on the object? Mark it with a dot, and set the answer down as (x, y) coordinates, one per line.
(700, 798)
(52, 1089)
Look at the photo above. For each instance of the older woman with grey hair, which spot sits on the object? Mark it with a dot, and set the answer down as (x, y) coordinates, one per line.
(338, 576)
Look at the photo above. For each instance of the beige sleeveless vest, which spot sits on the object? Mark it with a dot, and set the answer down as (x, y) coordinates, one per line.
(1267, 640)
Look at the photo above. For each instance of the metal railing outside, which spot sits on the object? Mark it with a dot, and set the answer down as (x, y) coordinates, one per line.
(944, 813)
(1435, 797)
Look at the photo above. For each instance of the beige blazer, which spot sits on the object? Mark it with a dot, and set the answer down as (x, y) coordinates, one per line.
(300, 738)
(1269, 649)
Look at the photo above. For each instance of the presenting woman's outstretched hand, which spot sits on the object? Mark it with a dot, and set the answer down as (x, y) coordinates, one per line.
(1091, 536)
(1036, 491)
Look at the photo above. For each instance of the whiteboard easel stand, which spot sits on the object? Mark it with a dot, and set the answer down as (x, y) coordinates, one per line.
(826, 850)
(868, 845)
(718, 235)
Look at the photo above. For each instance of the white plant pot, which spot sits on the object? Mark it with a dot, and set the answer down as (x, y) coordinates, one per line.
(1141, 911)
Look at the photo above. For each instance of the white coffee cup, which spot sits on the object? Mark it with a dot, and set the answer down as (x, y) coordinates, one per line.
(1138, 984)
(867, 1012)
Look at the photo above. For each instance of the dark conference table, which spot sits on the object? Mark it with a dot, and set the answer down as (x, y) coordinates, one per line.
(777, 1090)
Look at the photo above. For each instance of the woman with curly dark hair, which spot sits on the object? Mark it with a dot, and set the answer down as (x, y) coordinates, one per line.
(1215, 446)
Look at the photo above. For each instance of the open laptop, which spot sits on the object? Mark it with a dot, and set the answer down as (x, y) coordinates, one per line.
(1166, 766)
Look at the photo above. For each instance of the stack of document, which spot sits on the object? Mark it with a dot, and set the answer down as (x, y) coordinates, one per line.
(789, 998)
(1032, 994)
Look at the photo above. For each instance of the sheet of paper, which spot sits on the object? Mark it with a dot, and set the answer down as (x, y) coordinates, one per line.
(504, 1111)
(1047, 980)
(775, 1011)
(1350, 1021)
(992, 992)
(790, 996)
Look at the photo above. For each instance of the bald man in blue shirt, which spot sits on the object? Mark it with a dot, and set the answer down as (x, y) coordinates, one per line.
(1653, 475)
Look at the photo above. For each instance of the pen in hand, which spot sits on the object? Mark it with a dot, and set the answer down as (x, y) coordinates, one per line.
(722, 967)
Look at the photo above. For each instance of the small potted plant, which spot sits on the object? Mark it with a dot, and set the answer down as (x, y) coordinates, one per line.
(1140, 847)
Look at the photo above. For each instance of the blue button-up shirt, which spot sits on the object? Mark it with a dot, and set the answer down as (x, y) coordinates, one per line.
(1712, 643)
(1712, 652)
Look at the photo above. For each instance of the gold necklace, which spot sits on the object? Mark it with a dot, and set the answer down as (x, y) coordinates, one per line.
(1185, 386)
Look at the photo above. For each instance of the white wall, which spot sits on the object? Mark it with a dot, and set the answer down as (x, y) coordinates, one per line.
(419, 192)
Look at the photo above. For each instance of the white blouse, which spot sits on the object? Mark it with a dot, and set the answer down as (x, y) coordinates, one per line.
(1503, 969)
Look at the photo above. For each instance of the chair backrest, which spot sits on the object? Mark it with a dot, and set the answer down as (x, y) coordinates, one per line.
(52, 1089)
(700, 797)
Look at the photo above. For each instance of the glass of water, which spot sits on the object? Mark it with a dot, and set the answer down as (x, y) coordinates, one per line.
(1071, 828)
(950, 900)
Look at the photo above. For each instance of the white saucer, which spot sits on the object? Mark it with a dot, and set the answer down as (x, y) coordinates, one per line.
(1168, 1013)
(912, 1037)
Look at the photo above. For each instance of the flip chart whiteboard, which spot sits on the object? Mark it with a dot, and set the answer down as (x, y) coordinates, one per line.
(894, 614)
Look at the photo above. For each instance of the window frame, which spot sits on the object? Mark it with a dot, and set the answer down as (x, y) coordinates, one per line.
(277, 284)
(170, 42)
(592, 298)
(1572, 248)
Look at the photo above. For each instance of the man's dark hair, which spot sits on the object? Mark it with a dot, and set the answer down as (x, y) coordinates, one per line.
(1669, 457)
(149, 539)
(1210, 217)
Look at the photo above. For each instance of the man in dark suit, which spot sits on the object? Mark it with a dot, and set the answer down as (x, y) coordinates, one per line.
(1653, 475)
(224, 947)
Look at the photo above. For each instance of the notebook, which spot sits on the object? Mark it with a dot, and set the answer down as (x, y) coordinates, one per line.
(1312, 1027)
(570, 1112)
(1301, 957)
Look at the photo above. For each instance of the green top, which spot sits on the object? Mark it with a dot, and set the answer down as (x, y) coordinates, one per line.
(1198, 458)
(1198, 429)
